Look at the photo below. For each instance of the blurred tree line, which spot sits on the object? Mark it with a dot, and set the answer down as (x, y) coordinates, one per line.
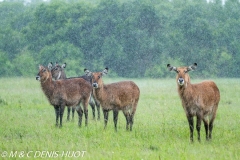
(135, 38)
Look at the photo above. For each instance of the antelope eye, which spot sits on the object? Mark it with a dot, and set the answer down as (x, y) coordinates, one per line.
(99, 77)
(43, 70)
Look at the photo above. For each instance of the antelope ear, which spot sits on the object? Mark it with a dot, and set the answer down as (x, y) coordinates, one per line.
(105, 71)
(171, 68)
(50, 65)
(41, 68)
(192, 67)
(64, 65)
(87, 72)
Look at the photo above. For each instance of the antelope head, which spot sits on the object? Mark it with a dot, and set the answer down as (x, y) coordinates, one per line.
(96, 77)
(182, 73)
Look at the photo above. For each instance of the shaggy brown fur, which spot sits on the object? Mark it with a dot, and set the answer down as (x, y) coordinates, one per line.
(115, 96)
(67, 92)
(59, 73)
(200, 100)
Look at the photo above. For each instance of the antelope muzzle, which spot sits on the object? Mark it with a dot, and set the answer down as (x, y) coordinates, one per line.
(38, 78)
(95, 85)
(180, 81)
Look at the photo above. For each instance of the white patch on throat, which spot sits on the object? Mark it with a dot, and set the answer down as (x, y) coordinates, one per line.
(59, 75)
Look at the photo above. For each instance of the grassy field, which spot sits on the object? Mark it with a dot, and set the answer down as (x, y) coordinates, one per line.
(160, 131)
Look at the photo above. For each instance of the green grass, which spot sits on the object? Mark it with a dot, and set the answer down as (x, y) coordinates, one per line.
(160, 130)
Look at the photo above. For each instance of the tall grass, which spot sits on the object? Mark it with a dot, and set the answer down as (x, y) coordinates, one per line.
(160, 129)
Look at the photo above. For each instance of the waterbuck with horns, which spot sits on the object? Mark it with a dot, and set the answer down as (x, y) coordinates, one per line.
(59, 73)
(200, 100)
(65, 92)
(117, 96)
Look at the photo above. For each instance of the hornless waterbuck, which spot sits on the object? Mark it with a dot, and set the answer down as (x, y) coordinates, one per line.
(200, 100)
(117, 96)
(57, 70)
(65, 92)
(59, 73)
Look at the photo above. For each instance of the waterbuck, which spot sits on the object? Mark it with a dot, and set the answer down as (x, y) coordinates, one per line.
(57, 70)
(65, 92)
(200, 100)
(117, 96)
(59, 73)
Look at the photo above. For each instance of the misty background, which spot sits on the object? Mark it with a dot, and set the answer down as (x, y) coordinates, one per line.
(133, 38)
